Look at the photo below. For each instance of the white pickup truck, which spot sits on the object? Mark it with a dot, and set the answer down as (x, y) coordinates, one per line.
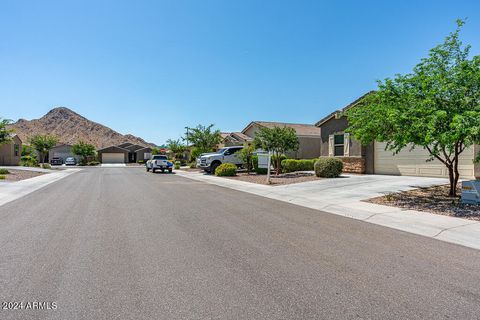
(210, 161)
(159, 162)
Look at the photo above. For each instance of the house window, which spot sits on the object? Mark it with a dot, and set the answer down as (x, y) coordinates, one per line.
(16, 147)
(339, 145)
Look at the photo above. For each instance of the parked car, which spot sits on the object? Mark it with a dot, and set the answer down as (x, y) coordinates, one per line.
(210, 161)
(70, 161)
(56, 161)
(159, 162)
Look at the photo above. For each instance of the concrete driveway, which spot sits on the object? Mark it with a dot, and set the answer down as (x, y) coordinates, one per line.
(343, 196)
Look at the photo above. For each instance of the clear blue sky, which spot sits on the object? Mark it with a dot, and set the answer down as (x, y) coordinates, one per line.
(151, 68)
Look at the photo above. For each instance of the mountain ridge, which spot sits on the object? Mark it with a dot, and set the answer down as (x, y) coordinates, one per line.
(71, 127)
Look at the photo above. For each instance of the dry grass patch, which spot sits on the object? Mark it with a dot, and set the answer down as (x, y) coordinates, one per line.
(430, 199)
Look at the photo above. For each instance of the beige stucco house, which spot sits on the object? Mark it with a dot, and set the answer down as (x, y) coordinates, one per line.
(11, 152)
(376, 160)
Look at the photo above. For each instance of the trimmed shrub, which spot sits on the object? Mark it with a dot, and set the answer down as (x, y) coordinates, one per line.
(328, 167)
(46, 166)
(226, 170)
(4, 171)
(93, 163)
(2, 177)
(256, 168)
(193, 165)
(141, 161)
(292, 165)
(28, 161)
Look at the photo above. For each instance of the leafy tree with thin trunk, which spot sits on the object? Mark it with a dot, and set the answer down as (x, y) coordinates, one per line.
(42, 144)
(5, 133)
(204, 138)
(277, 140)
(436, 107)
(177, 148)
(83, 150)
(247, 155)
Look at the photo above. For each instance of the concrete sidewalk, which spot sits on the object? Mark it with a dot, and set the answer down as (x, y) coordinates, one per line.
(343, 196)
(10, 191)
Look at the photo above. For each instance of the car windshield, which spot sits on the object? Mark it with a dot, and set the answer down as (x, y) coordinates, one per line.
(70, 159)
(222, 150)
(159, 158)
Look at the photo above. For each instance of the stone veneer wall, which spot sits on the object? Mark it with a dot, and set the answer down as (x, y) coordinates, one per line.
(353, 164)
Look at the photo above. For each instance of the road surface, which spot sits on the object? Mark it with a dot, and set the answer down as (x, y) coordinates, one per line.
(120, 243)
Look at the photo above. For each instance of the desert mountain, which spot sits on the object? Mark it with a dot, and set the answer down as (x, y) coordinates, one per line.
(70, 127)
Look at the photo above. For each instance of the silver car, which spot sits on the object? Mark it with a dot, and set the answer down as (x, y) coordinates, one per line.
(70, 161)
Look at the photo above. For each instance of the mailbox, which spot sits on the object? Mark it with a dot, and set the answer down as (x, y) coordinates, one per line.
(471, 192)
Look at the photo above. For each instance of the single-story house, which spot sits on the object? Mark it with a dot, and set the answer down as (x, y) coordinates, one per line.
(11, 152)
(113, 154)
(308, 137)
(62, 151)
(229, 139)
(136, 152)
(374, 159)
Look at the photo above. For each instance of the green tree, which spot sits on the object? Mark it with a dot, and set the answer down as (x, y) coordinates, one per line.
(83, 150)
(42, 144)
(177, 148)
(155, 151)
(5, 133)
(204, 138)
(277, 140)
(436, 107)
(247, 155)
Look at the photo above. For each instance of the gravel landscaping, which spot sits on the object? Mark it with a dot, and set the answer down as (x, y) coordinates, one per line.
(17, 175)
(281, 179)
(431, 199)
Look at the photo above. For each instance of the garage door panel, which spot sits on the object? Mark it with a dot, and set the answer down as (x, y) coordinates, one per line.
(113, 158)
(414, 163)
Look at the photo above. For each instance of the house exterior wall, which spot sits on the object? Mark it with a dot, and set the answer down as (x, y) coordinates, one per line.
(11, 152)
(141, 154)
(476, 150)
(336, 126)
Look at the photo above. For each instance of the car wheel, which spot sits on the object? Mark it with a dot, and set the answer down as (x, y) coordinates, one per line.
(169, 170)
(213, 167)
(148, 169)
(163, 170)
(153, 170)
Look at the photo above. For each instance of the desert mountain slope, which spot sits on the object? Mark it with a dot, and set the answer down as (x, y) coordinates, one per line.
(70, 127)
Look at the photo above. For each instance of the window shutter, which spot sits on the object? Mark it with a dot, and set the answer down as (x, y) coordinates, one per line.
(331, 145)
(346, 146)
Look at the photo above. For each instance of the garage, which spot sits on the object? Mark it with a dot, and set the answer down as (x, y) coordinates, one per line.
(113, 154)
(113, 158)
(413, 163)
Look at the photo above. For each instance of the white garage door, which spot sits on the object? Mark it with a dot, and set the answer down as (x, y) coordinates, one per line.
(413, 163)
(113, 158)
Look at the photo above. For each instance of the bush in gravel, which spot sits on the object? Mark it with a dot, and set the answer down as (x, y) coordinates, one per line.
(46, 166)
(256, 168)
(327, 167)
(4, 171)
(193, 165)
(226, 170)
(2, 177)
(28, 161)
(292, 165)
(141, 161)
(93, 163)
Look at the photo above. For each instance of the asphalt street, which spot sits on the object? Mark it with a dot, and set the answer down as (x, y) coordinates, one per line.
(121, 243)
